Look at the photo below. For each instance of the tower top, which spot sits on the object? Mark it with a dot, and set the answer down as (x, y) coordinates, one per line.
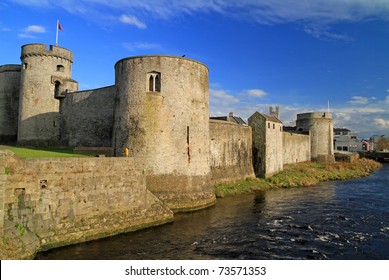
(41, 50)
(314, 115)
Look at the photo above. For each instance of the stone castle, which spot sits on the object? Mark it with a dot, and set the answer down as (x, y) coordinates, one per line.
(158, 108)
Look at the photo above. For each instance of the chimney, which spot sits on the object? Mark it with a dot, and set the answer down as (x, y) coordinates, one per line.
(230, 116)
(275, 113)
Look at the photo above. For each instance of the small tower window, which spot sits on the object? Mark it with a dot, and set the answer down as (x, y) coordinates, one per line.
(56, 88)
(151, 83)
(154, 82)
(25, 65)
(60, 68)
(157, 83)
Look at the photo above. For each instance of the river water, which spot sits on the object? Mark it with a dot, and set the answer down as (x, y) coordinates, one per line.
(333, 220)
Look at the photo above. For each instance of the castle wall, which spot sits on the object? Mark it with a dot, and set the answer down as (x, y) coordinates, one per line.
(9, 102)
(296, 147)
(45, 77)
(230, 151)
(87, 118)
(162, 114)
(65, 201)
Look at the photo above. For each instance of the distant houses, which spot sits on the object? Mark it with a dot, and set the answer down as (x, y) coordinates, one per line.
(347, 141)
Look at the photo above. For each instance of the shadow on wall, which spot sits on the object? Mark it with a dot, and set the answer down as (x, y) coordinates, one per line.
(87, 118)
(41, 130)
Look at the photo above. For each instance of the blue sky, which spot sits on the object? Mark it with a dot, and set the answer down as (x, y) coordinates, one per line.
(295, 54)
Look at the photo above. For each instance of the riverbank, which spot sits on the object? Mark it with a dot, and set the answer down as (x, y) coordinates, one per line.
(301, 174)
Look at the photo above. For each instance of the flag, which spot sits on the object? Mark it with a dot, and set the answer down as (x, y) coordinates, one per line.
(59, 27)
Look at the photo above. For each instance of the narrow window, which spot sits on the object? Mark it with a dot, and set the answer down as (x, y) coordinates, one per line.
(274, 126)
(60, 68)
(157, 83)
(151, 83)
(268, 125)
(25, 65)
(56, 88)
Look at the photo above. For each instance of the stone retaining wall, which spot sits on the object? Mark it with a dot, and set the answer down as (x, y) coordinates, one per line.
(64, 201)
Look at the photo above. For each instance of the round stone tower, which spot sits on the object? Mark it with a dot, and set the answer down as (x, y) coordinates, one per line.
(9, 102)
(162, 114)
(321, 130)
(45, 79)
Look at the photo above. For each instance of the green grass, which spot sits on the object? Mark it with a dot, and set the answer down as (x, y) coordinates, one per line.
(301, 174)
(44, 152)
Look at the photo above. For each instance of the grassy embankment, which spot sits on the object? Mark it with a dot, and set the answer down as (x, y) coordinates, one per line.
(301, 174)
(25, 152)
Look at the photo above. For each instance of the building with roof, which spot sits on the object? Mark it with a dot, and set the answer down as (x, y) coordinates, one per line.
(267, 144)
(345, 141)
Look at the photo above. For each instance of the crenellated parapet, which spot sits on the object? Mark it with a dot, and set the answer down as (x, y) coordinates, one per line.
(41, 50)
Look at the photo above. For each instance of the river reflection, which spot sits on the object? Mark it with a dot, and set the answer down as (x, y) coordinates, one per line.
(334, 220)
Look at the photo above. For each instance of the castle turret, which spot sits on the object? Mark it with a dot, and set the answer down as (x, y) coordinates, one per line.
(9, 102)
(321, 130)
(162, 114)
(45, 79)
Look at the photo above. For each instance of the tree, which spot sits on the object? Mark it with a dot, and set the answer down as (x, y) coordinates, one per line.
(383, 144)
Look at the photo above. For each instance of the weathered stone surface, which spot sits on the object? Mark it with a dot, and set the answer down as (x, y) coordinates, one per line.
(230, 151)
(162, 114)
(9, 102)
(64, 201)
(296, 147)
(45, 77)
(267, 144)
(321, 130)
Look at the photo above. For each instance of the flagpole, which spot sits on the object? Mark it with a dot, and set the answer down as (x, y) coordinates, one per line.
(56, 35)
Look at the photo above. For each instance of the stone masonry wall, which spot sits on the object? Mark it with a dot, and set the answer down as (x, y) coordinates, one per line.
(230, 151)
(273, 145)
(9, 102)
(296, 147)
(87, 118)
(64, 201)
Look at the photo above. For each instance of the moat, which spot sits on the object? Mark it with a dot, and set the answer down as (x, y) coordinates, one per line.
(333, 220)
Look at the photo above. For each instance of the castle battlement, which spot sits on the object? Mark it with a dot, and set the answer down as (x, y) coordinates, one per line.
(10, 68)
(41, 50)
(314, 115)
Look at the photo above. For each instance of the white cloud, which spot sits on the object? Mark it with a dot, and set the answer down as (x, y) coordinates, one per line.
(256, 93)
(358, 100)
(316, 16)
(382, 123)
(31, 31)
(221, 102)
(35, 29)
(128, 19)
(222, 95)
(370, 119)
